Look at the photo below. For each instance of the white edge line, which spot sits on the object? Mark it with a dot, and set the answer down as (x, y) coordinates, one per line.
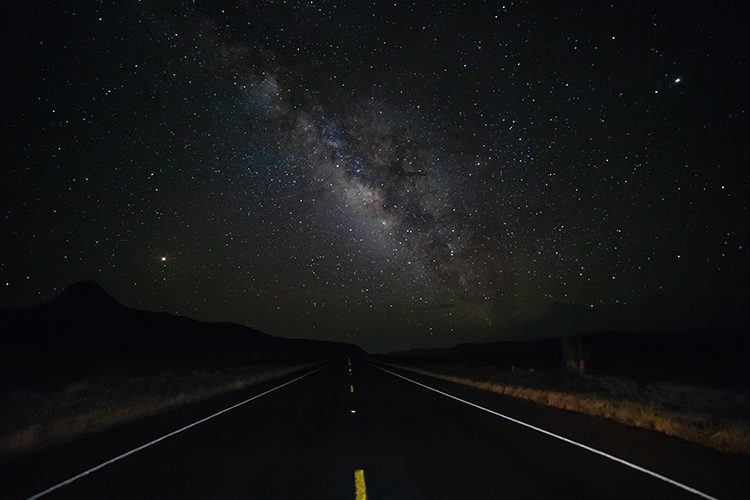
(150, 443)
(561, 438)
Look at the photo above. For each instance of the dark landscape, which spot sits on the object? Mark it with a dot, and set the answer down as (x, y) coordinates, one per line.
(323, 249)
(83, 363)
(715, 358)
(78, 368)
(87, 332)
(692, 385)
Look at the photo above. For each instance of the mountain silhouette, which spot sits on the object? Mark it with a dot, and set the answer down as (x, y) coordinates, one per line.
(88, 294)
(85, 331)
(705, 356)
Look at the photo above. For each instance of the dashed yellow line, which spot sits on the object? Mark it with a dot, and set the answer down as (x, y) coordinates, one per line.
(351, 388)
(359, 485)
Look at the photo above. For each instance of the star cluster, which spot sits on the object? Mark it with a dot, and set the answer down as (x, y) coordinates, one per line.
(391, 174)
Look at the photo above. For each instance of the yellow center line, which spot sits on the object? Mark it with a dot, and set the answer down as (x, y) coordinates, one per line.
(359, 485)
(351, 388)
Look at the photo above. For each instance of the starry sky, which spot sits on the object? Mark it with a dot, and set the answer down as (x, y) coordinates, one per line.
(391, 174)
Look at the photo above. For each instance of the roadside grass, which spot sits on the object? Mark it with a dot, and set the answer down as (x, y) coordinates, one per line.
(707, 416)
(32, 420)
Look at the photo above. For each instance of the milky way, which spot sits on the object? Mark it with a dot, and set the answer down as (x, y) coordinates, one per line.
(393, 175)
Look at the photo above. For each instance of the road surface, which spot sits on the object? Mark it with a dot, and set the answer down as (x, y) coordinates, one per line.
(337, 433)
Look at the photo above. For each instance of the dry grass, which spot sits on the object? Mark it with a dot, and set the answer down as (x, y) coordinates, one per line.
(31, 421)
(710, 417)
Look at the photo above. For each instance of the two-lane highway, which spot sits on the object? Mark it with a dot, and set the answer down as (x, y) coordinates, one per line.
(353, 429)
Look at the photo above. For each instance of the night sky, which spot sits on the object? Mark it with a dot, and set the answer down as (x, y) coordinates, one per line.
(393, 175)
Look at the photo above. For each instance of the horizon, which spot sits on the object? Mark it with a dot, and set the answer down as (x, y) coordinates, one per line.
(86, 291)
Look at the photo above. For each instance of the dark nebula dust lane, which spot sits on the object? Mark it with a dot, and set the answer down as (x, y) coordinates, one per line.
(309, 438)
(393, 175)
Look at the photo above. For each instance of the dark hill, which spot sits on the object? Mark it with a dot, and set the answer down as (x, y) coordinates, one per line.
(87, 294)
(85, 331)
(705, 356)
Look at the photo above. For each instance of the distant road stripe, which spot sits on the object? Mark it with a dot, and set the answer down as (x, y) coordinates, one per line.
(181, 429)
(359, 485)
(561, 438)
(351, 388)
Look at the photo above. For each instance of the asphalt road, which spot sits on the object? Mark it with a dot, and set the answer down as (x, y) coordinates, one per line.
(309, 438)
